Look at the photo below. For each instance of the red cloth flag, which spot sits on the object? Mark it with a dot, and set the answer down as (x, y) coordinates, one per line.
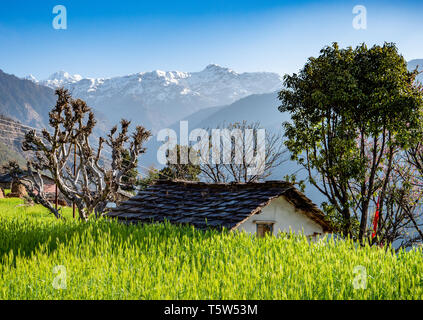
(375, 219)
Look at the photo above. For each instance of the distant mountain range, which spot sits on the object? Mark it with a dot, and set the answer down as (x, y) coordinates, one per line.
(156, 99)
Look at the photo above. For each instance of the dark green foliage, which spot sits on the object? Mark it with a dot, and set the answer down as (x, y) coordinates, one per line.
(180, 171)
(149, 179)
(130, 180)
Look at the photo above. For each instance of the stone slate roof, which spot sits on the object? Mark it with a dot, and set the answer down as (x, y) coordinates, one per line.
(7, 178)
(207, 205)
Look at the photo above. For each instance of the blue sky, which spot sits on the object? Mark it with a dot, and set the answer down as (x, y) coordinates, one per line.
(111, 38)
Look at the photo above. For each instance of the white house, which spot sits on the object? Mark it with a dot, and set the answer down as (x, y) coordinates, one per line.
(281, 216)
(258, 208)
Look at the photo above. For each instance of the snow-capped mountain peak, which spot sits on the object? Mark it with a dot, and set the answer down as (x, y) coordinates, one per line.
(63, 75)
(216, 68)
(61, 78)
(31, 78)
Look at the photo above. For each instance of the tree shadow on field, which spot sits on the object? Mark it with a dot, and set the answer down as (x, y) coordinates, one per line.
(25, 240)
(158, 231)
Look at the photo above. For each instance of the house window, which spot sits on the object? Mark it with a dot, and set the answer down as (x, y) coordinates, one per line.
(314, 237)
(264, 228)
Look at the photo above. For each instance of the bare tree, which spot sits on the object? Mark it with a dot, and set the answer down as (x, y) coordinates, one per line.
(34, 185)
(410, 198)
(241, 154)
(400, 217)
(91, 185)
(397, 199)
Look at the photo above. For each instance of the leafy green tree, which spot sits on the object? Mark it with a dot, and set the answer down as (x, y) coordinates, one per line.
(180, 171)
(352, 111)
(130, 179)
(172, 171)
(149, 179)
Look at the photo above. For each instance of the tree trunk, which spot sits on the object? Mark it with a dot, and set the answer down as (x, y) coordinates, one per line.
(363, 222)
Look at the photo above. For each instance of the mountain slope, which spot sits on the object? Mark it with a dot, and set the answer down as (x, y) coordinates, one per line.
(12, 134)
(261, 108)
(6, 155)
(413, 64)
(25, 101)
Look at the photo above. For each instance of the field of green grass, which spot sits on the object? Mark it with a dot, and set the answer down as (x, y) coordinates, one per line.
(107, 260)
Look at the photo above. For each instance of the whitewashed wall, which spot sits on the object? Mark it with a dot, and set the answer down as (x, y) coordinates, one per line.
(286, 216)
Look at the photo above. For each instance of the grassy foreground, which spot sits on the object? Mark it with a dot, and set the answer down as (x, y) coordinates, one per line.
(106, 260)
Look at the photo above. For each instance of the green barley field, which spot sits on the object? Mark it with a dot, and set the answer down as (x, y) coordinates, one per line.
(107, 260)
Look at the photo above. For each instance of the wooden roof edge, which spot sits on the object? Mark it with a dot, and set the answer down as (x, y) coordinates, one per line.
(255, 211)
(311, 210)
(316, 215)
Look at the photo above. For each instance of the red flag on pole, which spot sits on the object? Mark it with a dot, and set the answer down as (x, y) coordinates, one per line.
(376, 219)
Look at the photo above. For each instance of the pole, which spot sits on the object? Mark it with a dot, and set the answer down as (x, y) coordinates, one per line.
(74, 173)
(56, 199)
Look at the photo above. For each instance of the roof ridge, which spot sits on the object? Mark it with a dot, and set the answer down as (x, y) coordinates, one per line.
(258, 183)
